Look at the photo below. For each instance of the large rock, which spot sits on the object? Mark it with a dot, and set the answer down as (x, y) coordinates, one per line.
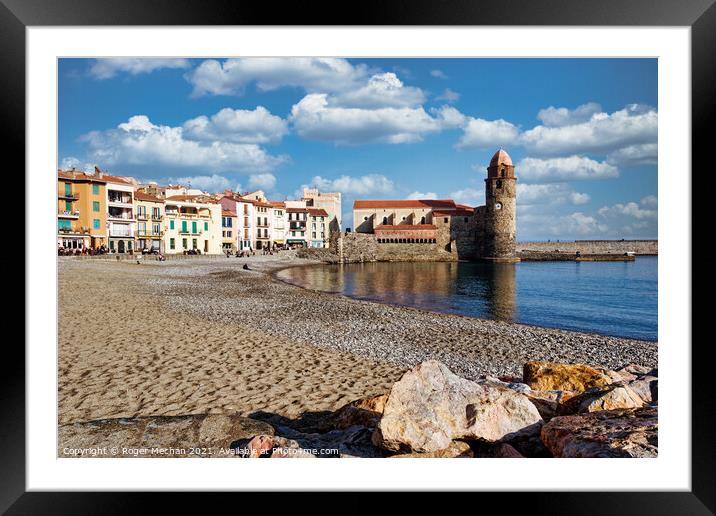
(213, 435)
(429, 407)
(548, 402)
(647, 387)
(609, 433)
(496, 451)
(611, 397)
(551, 376)
(363, 412)
(457, 449)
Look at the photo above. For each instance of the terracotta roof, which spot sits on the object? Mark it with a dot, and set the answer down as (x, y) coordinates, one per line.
(117, 179)
(78, 176)
(317, 212)
(182, 198)
(228, 213)
(404, 203)
(501, 158)
(141, 196)
(277, 204)
(457, 213)
(297, 210)
(405, 227)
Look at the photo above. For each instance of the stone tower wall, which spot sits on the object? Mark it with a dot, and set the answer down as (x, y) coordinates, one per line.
(500, 224)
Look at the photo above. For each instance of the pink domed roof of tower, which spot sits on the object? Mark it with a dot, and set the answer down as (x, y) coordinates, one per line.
(501, 158)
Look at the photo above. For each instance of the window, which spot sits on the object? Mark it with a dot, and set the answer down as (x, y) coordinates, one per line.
(193, 243)
(313, 235)
(499, 183)
(95, 206)
(206, 225)
(183, 243)
(95, 224)
(183, 226)
(172, 243)
(171, 224)
(64, 224)
(156, 213)
(445, 220)
(422, 220)
(465, 219)
(228, 234)
(156, 229)
(129, 245)
(68, 188)
(95, 189)
(385, 221)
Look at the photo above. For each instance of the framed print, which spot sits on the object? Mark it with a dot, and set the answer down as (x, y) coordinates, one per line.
(456, 235)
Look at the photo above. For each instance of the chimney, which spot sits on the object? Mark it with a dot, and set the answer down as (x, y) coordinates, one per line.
(98, 172)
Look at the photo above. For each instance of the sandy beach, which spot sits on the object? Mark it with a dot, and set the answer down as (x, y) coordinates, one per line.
(203, 335)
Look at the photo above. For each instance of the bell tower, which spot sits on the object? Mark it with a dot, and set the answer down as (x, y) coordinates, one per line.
(500, 210)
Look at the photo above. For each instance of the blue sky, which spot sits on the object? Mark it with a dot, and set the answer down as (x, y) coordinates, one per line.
(581, 132)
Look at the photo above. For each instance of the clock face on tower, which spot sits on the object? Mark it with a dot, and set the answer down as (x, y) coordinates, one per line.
(498, 205)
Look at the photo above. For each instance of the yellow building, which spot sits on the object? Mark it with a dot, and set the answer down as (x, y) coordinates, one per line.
(149, 211)
(81, 210)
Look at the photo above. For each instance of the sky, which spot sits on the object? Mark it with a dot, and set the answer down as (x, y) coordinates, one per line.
(582, 133)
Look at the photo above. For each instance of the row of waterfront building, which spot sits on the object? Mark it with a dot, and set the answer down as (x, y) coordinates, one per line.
(121, 214)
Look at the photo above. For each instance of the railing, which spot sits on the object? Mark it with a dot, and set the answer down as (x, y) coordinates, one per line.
(71, 195)
(190, 232)
(142, 216)
(123, 216)
(70, 231)
(65, 213)
(156, 217)
(145, 233)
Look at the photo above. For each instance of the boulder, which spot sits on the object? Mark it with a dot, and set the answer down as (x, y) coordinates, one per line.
(611, 397)
(496, 451)
(203, 435)
(363, 412)
(608, 433)
(551, 376)
(647, 387)
(274, 447)
(429, 407)
(456, 449)
(634, 370)
(548, 402)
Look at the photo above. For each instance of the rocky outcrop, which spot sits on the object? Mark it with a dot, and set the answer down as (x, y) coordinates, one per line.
(456, 449)
(213, 435)
(608, 433)
(647, 387)
(550, 376)
(611, 397)
(429, 407)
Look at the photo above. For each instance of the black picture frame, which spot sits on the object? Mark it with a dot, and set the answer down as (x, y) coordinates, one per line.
(700, 15)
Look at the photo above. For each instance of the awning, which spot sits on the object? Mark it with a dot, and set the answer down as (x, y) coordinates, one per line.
(293, 241)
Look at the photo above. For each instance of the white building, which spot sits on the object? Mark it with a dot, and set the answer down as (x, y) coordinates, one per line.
(121, 224)
(192, 223)
(278, 223)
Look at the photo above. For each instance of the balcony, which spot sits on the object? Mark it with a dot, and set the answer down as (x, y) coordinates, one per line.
(126, 215)
(149, 234)
(190, 232)
(71, 196)
(64, 214)
(157, 217)
(71, 231)
(142, 216)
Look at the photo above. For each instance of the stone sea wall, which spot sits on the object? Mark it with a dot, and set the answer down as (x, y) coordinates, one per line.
(363, 247)
(640, 247)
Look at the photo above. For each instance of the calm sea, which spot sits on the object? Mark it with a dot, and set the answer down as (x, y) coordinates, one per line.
(610, 298)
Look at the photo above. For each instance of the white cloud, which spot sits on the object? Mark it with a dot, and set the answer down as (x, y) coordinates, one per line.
(559, 117)
(140, 142)
(107, 68)
(550, 194)
(643, 154)
(313, 118)
(580, 224)
(266, 181)
(212, 183)
(382, 90)
(231, 76)
(572, 168)
(630, 209)
(422, 195)
(650, 200)
(355, 185)
(238, 126)
(71, 162)
(469, 196)
(602, 133)
(448, 96)
(439, 74)
(482, 134)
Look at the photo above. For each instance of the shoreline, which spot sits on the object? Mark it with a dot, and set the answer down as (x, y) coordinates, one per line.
(205, 336)
(274, 275)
